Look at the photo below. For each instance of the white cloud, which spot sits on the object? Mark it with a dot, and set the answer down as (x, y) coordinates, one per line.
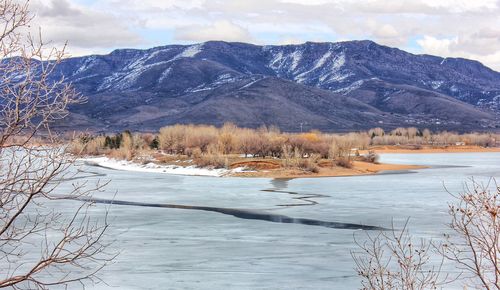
(386, 31)
(453, 47)
(290, 40)
(461, 6)
(219, 30)
(62, 21)
(308, 2)
(145, 5)
(433, 45)
(467, 28)
(493, 60)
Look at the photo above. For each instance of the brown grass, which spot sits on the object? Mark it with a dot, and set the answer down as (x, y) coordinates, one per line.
(256, 164)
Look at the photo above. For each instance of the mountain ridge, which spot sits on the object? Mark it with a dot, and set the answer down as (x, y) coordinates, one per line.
(178, 77)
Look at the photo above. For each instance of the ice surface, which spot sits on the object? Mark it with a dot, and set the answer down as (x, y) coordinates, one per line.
(163, 248)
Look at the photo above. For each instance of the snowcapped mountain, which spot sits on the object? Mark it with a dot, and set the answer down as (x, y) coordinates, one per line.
(330, 86)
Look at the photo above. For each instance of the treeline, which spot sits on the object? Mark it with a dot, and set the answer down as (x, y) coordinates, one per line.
(198, 140)
(209, 144)
(414, 136)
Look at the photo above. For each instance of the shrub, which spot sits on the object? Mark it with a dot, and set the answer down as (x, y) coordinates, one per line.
(212, 160)
(195, 140)
(193, 152)
(121, 154)
(155, 143)
(343, 162)
(87, 146)
(371, 157)
(173, 139)
(309, 164)
(75, 147)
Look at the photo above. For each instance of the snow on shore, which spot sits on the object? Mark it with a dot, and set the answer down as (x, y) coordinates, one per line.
(125, 165)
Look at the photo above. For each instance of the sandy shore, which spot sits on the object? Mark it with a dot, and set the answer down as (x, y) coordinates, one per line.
(358, 168)
(251, 168)
(271, 168)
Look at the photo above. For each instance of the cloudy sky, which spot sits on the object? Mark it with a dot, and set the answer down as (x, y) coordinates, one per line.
(461, 28)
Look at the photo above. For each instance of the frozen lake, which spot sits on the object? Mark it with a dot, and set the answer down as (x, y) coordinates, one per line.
(175, 248)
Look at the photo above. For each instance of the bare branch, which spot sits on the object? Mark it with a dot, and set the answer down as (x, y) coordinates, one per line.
(70, 250)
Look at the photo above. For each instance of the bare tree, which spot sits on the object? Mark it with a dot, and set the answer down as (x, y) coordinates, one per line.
(39, 245)
(474, 245)
(394, 260)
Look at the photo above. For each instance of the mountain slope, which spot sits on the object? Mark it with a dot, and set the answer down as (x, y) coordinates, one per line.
(332, 86)
(273, 101)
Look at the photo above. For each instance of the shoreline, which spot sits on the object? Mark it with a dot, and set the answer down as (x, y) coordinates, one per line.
(271, 168)
(151, 167)
(359, 168)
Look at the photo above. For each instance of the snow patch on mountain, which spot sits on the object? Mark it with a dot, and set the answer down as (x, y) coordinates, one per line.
(155, 53)
(190, 51)
(338, 77)
(221, 80)
(164, 75)
(319, 64)
(296, 56)
(85, 77)
(277, 61)
(126, 77)
(354, 86)
(338, 62)
(282, 62)
(224, 79)
(89, 62)
(322, 60)
(436, 84)
(251, 83)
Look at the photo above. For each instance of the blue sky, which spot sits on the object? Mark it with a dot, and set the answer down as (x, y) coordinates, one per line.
(453, 28)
